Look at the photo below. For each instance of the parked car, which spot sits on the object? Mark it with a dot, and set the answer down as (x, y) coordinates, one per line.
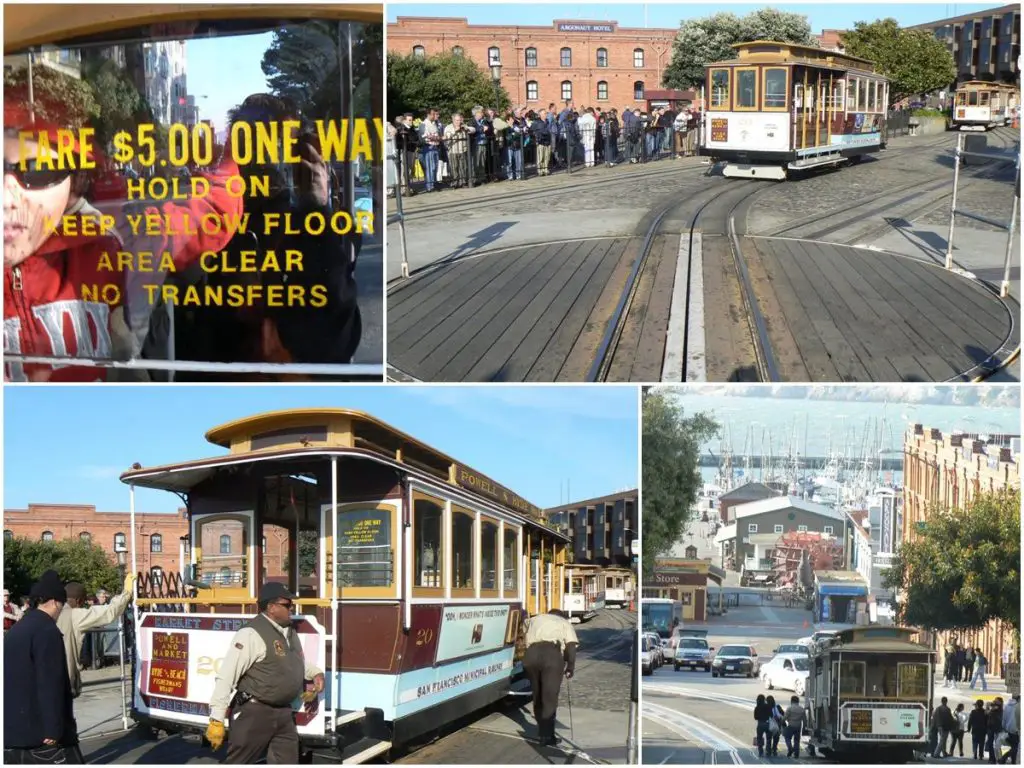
(657, 656)
(692, 652)
(788, 671)
(646, 655)
(736, 660)
(802, 649)
(817, 637)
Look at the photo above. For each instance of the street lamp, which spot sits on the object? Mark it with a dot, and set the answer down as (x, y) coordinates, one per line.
(496, 79)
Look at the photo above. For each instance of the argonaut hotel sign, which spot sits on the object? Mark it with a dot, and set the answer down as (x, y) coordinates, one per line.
(578, 26)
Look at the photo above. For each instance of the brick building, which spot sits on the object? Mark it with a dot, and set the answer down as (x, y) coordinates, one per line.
(595, 63)
(985, 44)
(947, 471)
(158, 536)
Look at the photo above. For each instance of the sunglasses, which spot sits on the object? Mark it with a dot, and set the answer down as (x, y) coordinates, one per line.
(285, 604)
(33, 177)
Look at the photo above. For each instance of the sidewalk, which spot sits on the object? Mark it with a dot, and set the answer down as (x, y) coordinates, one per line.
(98, 709)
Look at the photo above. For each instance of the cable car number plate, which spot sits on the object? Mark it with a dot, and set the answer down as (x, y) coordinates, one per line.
(719, 129)
(861, 721)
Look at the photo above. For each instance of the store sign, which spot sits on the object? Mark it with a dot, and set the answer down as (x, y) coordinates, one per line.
(573, 27)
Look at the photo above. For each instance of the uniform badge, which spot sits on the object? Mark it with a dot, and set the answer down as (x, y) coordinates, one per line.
(279, 648)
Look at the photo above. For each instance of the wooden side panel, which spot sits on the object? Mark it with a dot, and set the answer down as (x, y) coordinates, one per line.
(419, 646)
(370, 636)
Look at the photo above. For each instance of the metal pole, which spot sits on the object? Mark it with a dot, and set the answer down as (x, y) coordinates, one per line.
(333, 583)
(120, 649)
(1011, 237)
(952, 206)
(31, 92)
(631, 735)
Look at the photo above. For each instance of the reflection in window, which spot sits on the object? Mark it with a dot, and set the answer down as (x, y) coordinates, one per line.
(225, 544)
(217, 539)
(511, 565)
(775, 89)
(365, 552)
(462, 550)
(164, 92)
(720, 88)
(851, 677)
(488, 555)
(912, 681)
(746, 88)
(427, 559)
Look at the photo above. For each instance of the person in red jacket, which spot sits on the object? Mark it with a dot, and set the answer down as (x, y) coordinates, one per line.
(46, 268)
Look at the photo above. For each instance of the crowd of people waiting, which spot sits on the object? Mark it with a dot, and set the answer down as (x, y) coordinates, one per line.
(488, 146)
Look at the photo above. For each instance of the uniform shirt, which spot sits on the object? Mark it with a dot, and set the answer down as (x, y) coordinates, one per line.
(74, 622)
(237, 661)
(548, 628)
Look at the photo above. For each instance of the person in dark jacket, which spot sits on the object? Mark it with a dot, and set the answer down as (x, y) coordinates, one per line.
(762, 714)
(977, 724)
(994, 725)
(39, 721)
(778, 715)
(945, 724)
(540, 128)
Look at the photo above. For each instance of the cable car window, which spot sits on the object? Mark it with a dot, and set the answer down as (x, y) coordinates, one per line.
(488, 555)
(972, 99)
(428, 523)
(911, 680)
(851, 94)
(720, 89)
(961, 99)
(511, 564)
(774, 88)
(224, 544)
(746, 89)
(983, 98)
(365, 550)
(851, 676)
(463, 527)
(214, 284)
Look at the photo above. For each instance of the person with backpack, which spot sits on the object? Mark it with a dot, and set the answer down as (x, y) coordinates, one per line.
(775, 726)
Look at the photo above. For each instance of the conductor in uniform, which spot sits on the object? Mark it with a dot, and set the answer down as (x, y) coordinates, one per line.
(266, 671)
(550, 654)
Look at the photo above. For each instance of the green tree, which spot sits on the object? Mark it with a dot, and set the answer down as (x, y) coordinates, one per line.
(120, 105)
(75, 560)
(963, 567)
(702, 41)
(446, 82)
(671, 472)
(57, 98)
(913, 59)
(309, 550)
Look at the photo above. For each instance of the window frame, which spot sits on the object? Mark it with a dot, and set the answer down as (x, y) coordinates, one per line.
(727, 106)
(599, 96)
(438, 591)
(561, 57)
(777, 528)
(836, 669)
(124, 541)
(801, 529)
(384, 505)
(562, 87)
(757, 95)
(643, 58)
(851, 89)
(536, 90)
(457, 50)
(597, 58)
(751, 527)
(785, 89)
(156, 543)
(226, 592)
(498, 577)
(82, 536)
(516, 550)
(829, 529)
(839, 95)
(221, 542)
(8, 534)
(899, 679)
(46, 536)
(420, 51)
(474, 553)
(526, 58)
(642, 90)
(492, 59)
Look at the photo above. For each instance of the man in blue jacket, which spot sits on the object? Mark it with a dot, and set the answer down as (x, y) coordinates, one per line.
(39, 722)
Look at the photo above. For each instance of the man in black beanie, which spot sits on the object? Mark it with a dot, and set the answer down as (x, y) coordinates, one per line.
(39, 723)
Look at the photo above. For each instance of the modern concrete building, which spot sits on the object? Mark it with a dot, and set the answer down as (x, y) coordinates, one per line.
(601, 529)
(946, 471)
(985, 44)
(594, 63)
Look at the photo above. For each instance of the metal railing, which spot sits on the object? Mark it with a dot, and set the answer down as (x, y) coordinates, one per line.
(976, 147)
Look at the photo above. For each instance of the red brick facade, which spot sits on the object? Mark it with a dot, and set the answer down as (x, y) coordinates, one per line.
(157, 536)
(603, 65)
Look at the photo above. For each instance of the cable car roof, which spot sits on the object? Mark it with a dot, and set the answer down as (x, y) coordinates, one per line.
(771, 52)
(985, 84)
(303, 432)
(26, 26)
(875, 639)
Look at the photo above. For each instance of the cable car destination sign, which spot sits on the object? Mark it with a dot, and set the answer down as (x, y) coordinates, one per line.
(474, 481)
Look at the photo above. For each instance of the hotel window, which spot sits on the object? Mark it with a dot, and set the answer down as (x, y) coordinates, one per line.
(120, 544)
(457, 50)
(225, 544)
(566, 57)
(751, 527)
(493, 56)
(85, 536)
(417, 50)
(531, 57)
(638, 58)
(602, 57)
(532, 91)
(602, 91)
(638, 90)
(566, 90)
(47, 536)
(156, 543)
(778, 529)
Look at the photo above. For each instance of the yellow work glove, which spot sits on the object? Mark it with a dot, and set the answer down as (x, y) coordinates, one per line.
(318, 687)
(215, 734)
(129, 582)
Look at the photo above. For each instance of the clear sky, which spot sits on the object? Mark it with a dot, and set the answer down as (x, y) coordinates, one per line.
(208, 79)
(821, 15)
(70, 444)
